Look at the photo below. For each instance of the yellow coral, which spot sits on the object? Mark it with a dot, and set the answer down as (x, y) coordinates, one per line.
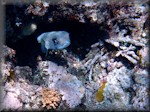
(99, 94)
(11, 75)
(50, 98)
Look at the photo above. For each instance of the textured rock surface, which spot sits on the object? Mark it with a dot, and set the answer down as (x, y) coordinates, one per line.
(109, 44)
(67, 84)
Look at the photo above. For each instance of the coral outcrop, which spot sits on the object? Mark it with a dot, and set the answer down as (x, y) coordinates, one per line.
(104, 65)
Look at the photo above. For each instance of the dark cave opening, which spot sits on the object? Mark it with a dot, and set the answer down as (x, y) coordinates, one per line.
(82, 36)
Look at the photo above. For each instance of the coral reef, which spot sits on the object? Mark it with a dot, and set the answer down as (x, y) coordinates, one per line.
(68, 85)
(39, 8)
(97, 56)
(22, 95)
(141, 79)
(8, 52)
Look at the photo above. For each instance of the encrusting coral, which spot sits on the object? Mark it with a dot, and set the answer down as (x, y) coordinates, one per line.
(50, 98)
(39, 8)
(69, 86)
(99, 94)
(118, 35)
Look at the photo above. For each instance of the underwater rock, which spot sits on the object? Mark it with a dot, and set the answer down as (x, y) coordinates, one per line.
(55, 40)
(71, 89)
(68, 85)
(8, 52)
(124, 23)
(38, 8)
(11, 102)
(144, 57)
(141, 98)
(117, 82)
(99, 94)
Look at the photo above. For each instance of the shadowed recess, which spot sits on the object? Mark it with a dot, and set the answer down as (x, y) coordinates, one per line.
(82, 36)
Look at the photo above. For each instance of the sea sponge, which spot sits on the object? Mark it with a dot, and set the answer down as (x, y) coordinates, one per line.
(55, 40)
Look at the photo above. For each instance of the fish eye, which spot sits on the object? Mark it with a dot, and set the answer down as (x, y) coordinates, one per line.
(55, 41)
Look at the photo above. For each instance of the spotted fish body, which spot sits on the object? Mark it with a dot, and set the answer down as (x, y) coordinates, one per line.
(55, 40)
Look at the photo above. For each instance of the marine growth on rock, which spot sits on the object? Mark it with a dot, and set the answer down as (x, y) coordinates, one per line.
(105, 68)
